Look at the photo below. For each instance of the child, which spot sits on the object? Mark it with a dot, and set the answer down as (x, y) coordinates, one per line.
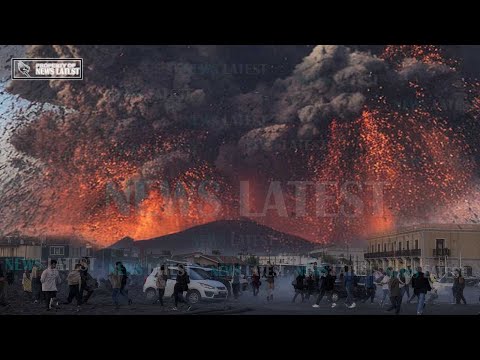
(27, 283)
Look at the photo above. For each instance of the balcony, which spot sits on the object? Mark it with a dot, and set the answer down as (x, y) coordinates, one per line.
(383, 254)
(441, 252)
(410, 252)
(398, 253)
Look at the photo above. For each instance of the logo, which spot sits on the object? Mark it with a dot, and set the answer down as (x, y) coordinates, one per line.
(47, 69)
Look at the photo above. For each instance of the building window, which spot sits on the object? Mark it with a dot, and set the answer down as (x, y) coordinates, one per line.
(378, 247)
(57, 250)
(416, 244)
(440, 243)
(408, 245)
(399, 246)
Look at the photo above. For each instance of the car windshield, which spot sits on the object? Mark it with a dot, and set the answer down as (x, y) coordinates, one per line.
(199, 274)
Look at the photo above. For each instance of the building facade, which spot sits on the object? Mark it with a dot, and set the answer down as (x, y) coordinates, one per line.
(343, 255)
(435, 247)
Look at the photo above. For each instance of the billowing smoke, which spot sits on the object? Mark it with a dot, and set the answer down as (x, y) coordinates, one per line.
(187, 113)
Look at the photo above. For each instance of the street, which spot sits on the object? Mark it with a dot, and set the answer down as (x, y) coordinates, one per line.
(246, 304)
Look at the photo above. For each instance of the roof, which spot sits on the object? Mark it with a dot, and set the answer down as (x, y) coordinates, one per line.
(218, 259)
(427, 227)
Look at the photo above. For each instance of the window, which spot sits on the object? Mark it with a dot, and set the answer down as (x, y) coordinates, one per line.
(384, 247)
(399, 246)
(408, 245)
(440, 243)
(57, 250)
(416, 244)
(378, 247)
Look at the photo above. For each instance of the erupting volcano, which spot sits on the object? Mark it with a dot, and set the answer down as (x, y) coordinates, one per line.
(150, 143)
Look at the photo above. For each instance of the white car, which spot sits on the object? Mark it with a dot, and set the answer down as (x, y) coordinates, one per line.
(201, 287)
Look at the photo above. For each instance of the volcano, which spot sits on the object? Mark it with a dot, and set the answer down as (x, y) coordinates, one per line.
(229, 237)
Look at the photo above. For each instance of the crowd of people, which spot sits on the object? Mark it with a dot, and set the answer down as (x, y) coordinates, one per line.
(42, 284)
(394, 285)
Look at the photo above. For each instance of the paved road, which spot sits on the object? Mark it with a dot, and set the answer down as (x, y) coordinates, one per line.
(247, 304)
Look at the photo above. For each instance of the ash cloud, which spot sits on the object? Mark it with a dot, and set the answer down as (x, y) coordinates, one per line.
(141, 105)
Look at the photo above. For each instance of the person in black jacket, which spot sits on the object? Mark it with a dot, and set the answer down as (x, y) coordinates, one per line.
(459, 285)
(327, 287)
(420, 289)
(298, 285)
(310, 280)
(181, 285)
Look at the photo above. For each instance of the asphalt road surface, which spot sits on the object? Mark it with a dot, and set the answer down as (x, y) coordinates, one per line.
(101, 304)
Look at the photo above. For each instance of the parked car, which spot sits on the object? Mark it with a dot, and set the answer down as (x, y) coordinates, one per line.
(201, 287)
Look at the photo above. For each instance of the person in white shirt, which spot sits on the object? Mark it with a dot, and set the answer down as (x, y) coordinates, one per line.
(385, 287)
(49, 279)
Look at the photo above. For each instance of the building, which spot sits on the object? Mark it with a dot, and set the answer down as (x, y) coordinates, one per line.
(19, 253)
(208, 260)
(342, 255)
(434, 247)
(67, 251)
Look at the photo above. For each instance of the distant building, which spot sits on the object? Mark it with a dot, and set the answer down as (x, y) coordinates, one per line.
(208, 260)
(19, 254)
(434, 247)
(67, 251)
(343, 255)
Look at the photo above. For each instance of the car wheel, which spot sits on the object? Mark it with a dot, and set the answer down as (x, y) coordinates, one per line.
(150, 294)
(335, 297)
(193, 296)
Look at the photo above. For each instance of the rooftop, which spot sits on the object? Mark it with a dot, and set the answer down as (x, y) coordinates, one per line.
(427, 227)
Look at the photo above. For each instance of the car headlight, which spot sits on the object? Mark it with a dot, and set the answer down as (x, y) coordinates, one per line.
(207, 286)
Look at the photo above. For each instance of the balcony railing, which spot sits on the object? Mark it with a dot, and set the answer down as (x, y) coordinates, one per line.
(398, 253)
(441, 252)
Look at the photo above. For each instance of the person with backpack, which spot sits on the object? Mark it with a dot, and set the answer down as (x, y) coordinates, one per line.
(181, 286)
(50, 279)
(298, 285)
(459, 284)
(161, 283)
